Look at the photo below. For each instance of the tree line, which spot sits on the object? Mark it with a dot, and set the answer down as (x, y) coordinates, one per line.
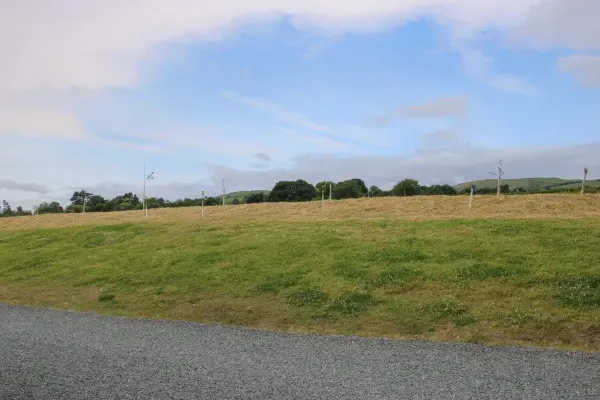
(283, 191)
(301, 190)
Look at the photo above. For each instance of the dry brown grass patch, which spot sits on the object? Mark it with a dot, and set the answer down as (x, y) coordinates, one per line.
(393, 208)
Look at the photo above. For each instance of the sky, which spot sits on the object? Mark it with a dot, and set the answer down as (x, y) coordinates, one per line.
(96, 94)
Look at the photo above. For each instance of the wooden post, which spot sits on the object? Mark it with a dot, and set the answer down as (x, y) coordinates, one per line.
(471, 197)
(223, 186)
(499, 184)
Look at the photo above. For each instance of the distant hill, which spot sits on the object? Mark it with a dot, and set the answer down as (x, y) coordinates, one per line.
(241, 195)
(531, 183)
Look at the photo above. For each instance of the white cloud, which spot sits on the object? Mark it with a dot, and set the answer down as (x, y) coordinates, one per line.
(439, 108)
(313, 132)
(569, 24)
(443, 139)
(453, 166)
(263, 157)
(584, 67)
(39, 121)
(430, 166)
(480, 66)
(98, 45)
(93, 46)
(23, 187)
(319, 143)
(88, 46)
(444, 107)
(276, 110)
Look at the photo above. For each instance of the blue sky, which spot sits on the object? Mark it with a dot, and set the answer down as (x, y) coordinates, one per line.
(264, 92)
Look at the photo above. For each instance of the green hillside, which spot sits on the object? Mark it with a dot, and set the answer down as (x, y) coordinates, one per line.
(229, 197)
(531, 183)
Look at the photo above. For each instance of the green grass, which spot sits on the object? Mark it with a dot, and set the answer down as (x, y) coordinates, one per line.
(531, 282)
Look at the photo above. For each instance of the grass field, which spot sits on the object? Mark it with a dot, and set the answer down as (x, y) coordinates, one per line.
(387, 208)
(517, 270)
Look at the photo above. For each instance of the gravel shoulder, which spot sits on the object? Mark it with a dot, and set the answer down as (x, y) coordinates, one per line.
(48, 354)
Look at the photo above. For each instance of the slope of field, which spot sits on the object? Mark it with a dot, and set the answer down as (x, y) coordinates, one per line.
(533, 282)
(387, 208)
(530, 183)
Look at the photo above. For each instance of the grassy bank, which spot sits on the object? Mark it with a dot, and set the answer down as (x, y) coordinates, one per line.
(534, 282)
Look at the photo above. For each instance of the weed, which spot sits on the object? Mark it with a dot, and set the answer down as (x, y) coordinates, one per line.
(396, 275)
(278, 281)
(352, 303)
(416, 327)
(394, 256)
(351, 271)
(483, 271)
(519, 317)
(107, 298)
(90, 240)
(464, 320)
(308, 297)
(113, 228)
(445, 309)
(578, 291)
(450, 311)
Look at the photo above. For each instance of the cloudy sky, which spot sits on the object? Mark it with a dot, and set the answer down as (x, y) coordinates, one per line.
(257, 91)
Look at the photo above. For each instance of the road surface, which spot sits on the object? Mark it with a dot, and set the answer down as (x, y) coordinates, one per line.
(47, 354)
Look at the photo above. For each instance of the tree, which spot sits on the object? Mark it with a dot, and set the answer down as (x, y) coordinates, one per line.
(299, 190)
(499, 174)
(445, 190)
(20, 212)
(95, 200)
(350, 189)
(364, 190)
(255, 198)
(80, 197)
(407, 187)
(95, 203)
(324, 187)
(6, 210)
(235, 201)
(375, 191)
(212, 201)
(585, 174)
(50, 208)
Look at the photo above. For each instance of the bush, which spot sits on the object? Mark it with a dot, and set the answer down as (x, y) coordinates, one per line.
(350, 189)
(407, 187)
(255, 198)
(299, 190)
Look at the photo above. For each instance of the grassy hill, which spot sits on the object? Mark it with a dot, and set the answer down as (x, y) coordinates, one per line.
(531, 183)
(496, 281)
(241, 195)
(514, 270)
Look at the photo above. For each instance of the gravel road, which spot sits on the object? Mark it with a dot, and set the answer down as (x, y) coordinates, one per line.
(47, 354)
